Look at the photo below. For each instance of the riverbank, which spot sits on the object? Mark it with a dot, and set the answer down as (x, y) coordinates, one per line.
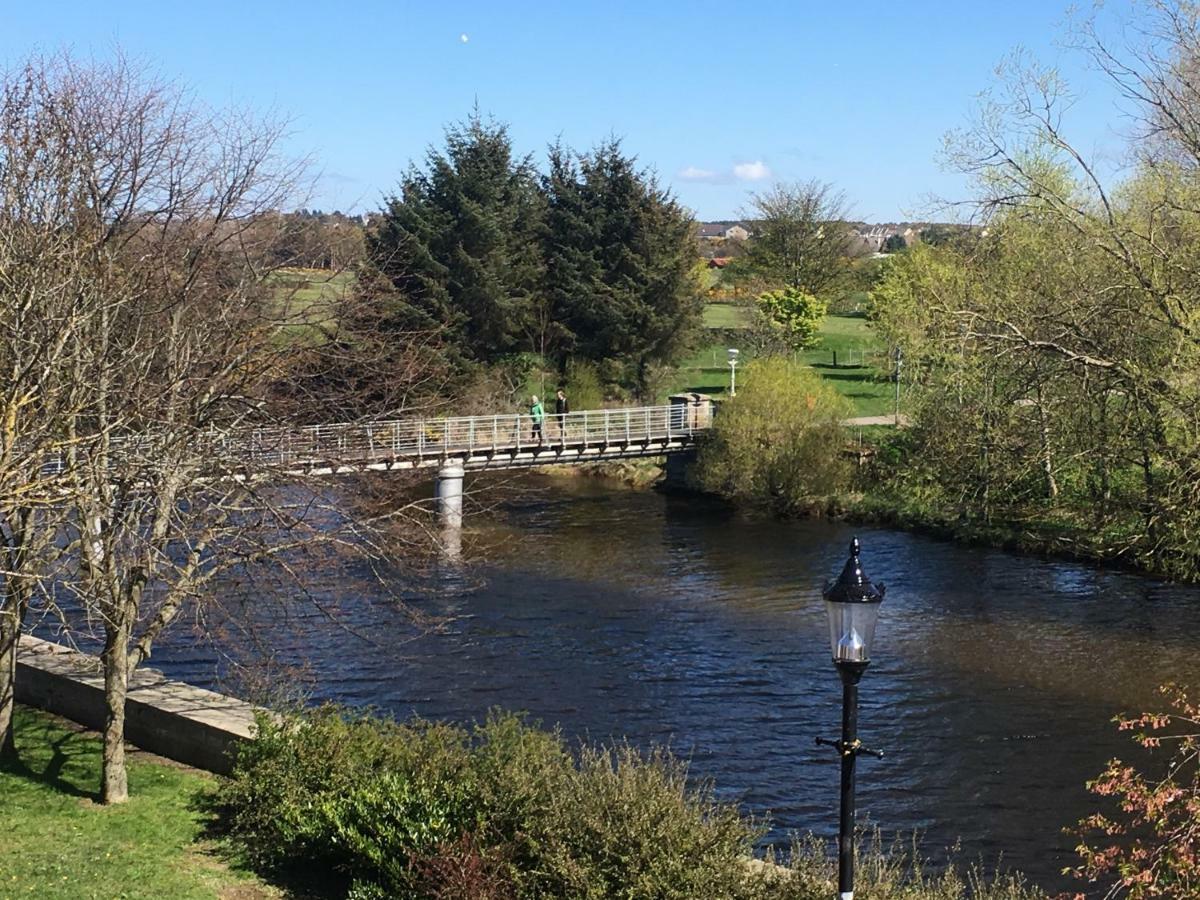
(60, 843)
(1042, 536)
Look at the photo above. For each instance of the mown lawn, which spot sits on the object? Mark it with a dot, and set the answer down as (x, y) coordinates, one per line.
(305, 300)
(725, 315)
(59, 843)
(860, 372)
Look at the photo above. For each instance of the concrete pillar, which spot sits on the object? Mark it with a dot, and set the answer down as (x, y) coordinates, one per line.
(677, 469)
(447, 492)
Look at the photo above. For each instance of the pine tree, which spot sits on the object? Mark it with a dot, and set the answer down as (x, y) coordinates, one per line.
(618, 262)
(458, 244)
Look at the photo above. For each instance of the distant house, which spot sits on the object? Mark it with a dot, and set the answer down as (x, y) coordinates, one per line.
(872, 238)
(719, 262)
(723, 231)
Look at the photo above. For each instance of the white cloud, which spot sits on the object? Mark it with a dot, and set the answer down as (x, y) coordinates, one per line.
(692, 173)
(751, 171)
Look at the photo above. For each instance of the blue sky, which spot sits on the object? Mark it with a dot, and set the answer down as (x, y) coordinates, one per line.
(720, 98)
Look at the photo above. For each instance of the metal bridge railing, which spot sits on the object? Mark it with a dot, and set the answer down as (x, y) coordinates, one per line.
(461, 436)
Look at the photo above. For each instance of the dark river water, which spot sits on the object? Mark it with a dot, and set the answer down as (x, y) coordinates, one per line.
(628, 614)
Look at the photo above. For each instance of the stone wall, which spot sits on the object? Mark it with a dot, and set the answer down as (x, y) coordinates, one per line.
(188, 724)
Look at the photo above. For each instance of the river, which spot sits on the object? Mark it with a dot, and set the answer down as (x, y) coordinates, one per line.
(626, 614)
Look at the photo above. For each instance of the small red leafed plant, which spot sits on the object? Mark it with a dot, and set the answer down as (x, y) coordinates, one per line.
(1150, 846)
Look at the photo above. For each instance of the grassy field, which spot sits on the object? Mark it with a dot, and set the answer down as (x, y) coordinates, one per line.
(306, 298)
(859, 374)
(58, 842)
(725, 315)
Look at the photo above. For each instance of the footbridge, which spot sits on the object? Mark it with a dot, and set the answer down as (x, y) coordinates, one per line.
(456, 445)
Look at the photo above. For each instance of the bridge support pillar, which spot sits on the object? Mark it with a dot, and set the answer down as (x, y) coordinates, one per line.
(448, 494)
(676, 467)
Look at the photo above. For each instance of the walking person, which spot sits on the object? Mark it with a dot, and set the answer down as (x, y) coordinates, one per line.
(561, 408)
(538, 415)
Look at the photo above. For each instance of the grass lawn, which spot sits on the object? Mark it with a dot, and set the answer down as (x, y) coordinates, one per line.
(306, 298)
(58, 842)
(725, 315)
(860, 373)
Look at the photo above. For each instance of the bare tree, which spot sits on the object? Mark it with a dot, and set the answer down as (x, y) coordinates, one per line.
(41, 315)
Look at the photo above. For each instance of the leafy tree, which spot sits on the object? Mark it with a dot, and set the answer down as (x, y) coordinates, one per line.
(895, 243)
(801, 237)
(778, 442)
(619, 258)
(790, 317)
(458, 244)
(1150, 844)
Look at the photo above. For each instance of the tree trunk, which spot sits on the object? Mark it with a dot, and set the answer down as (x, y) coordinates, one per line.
(114, 787)
(10, 635)
(1047, 451)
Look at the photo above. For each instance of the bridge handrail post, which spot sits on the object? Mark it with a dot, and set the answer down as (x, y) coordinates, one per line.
(471, 435)
(647, 423)
(628, 415)
(495, 432)
(518, 418)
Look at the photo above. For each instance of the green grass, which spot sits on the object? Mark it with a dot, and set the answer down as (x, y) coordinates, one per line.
(305, 300)
(725, 315)
(866, 386)
(58, 842)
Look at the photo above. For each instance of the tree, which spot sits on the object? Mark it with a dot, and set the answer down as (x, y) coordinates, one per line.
(789, 318)
(619, 257)
(40, 320)
(778, 442)
(895, 243)
(801, 237)
(458, 245)
(1148, 846)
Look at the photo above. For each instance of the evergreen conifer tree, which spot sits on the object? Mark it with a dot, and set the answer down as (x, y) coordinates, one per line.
(619, 253)
(459, 244)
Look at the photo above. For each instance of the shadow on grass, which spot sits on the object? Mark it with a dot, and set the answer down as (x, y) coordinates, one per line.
(299, 879)
(64, 748)
(839, 366)
(866, 377)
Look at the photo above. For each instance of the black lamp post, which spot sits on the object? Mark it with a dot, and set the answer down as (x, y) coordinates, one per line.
(852, 603)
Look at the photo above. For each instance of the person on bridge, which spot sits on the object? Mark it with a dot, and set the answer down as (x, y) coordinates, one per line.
(561, 408)
(538, 415)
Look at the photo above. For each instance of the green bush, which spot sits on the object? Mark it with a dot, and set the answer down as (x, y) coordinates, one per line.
(503, 811)
(779, 442)
(583, 386)
(500, 810)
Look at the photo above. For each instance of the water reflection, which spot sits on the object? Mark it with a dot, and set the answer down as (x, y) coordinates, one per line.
(618, 613)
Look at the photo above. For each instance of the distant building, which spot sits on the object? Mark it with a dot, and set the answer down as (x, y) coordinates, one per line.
(723, 231)
(719, 262)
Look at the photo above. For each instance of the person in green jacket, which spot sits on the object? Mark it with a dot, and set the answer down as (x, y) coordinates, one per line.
(538, 415)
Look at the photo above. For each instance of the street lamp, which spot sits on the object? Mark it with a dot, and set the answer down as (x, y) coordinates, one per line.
(852, 604)
(733, 357)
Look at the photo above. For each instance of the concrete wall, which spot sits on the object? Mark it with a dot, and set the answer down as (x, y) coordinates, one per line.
(188, 724)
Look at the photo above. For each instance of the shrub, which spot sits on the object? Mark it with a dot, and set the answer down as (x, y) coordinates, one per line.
(779, 441)
(1150, 845)
(583, 386)
(789, 318)
(500, 810)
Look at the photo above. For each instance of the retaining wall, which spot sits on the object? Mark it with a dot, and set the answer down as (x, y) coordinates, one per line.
(188, 724)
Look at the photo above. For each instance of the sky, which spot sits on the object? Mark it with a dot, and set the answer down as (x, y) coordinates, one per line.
(720, 99)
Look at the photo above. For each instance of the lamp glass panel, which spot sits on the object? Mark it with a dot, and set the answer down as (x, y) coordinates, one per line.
(852, 630)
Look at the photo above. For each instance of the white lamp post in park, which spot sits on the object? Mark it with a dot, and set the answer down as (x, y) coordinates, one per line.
(733, 359)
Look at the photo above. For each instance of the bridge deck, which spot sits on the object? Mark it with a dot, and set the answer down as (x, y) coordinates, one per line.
(472, 441)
